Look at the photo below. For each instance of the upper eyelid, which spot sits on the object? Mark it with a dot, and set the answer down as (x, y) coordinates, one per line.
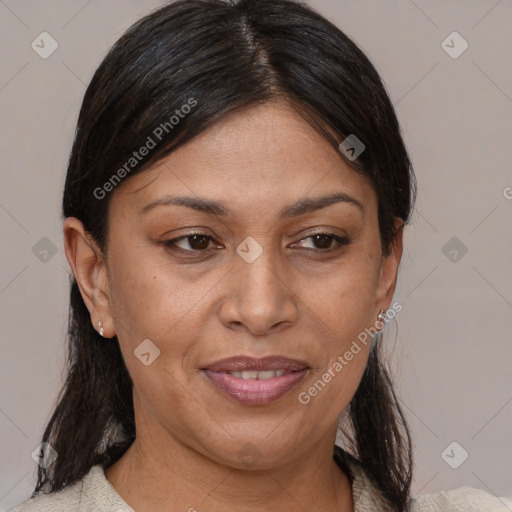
(198, 233)
(338, 238)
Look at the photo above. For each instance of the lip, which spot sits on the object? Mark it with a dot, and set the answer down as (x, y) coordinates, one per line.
(248, 363)
(253, 391)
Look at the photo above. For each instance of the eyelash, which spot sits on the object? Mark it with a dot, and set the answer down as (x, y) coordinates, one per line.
(341, 241)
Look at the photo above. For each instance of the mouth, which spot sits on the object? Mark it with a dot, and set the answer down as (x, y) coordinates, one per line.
(263, 375)
(253, 381)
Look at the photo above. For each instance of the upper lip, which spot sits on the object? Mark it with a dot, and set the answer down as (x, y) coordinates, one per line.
(248, 363)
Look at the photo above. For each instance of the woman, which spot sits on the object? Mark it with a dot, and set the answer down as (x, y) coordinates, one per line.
(212, 375)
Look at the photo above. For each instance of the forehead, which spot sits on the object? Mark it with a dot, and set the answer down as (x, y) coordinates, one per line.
(254, 158)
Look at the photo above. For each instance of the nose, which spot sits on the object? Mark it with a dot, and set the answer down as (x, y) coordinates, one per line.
(259, 297)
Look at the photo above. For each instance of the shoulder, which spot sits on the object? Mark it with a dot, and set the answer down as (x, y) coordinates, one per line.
(65, 499)
(90, 494)
(368, 497)
(462, 499)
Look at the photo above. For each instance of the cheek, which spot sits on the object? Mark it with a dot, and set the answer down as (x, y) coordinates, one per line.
(138, 293)
(342, 315)
(153, 299)
(154, 318)
(345, 300)
(344, 310)
(143, 290)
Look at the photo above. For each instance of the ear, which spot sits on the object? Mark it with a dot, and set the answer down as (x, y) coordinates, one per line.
(389, 270)
(89, 269)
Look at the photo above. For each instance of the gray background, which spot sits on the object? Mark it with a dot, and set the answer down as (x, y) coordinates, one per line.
(451, 345)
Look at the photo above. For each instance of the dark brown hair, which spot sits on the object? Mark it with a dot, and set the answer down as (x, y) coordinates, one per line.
(222, 55)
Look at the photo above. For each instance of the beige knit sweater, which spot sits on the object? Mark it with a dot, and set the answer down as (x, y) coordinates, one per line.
(94, 493)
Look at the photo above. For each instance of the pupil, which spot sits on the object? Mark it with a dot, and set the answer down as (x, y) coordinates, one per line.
(322, 238)
(194, 243)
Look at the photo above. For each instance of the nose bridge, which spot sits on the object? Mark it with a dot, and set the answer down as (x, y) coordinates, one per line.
(261, 295)
(258, 268)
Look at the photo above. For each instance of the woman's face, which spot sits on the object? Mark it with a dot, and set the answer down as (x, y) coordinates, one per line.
(256, 282)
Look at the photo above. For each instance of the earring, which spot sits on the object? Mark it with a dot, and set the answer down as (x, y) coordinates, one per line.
(100, 327)
(381, 316)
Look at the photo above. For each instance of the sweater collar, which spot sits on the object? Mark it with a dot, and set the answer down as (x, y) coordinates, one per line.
(366, 494)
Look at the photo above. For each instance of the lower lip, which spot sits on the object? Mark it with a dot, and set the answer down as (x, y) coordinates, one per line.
(253, 391)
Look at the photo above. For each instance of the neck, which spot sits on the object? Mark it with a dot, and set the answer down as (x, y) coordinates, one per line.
(190, 481)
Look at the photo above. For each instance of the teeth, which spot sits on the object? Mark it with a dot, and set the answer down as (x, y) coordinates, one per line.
(269, 374)
(251, 375)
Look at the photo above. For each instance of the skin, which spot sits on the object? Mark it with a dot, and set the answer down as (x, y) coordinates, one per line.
(198, 307)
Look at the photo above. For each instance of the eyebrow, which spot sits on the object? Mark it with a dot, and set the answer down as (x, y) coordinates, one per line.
(211, 207)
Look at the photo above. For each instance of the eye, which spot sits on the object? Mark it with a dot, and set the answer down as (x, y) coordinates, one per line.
(197, 242)
(324, 241)
(200, 242)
